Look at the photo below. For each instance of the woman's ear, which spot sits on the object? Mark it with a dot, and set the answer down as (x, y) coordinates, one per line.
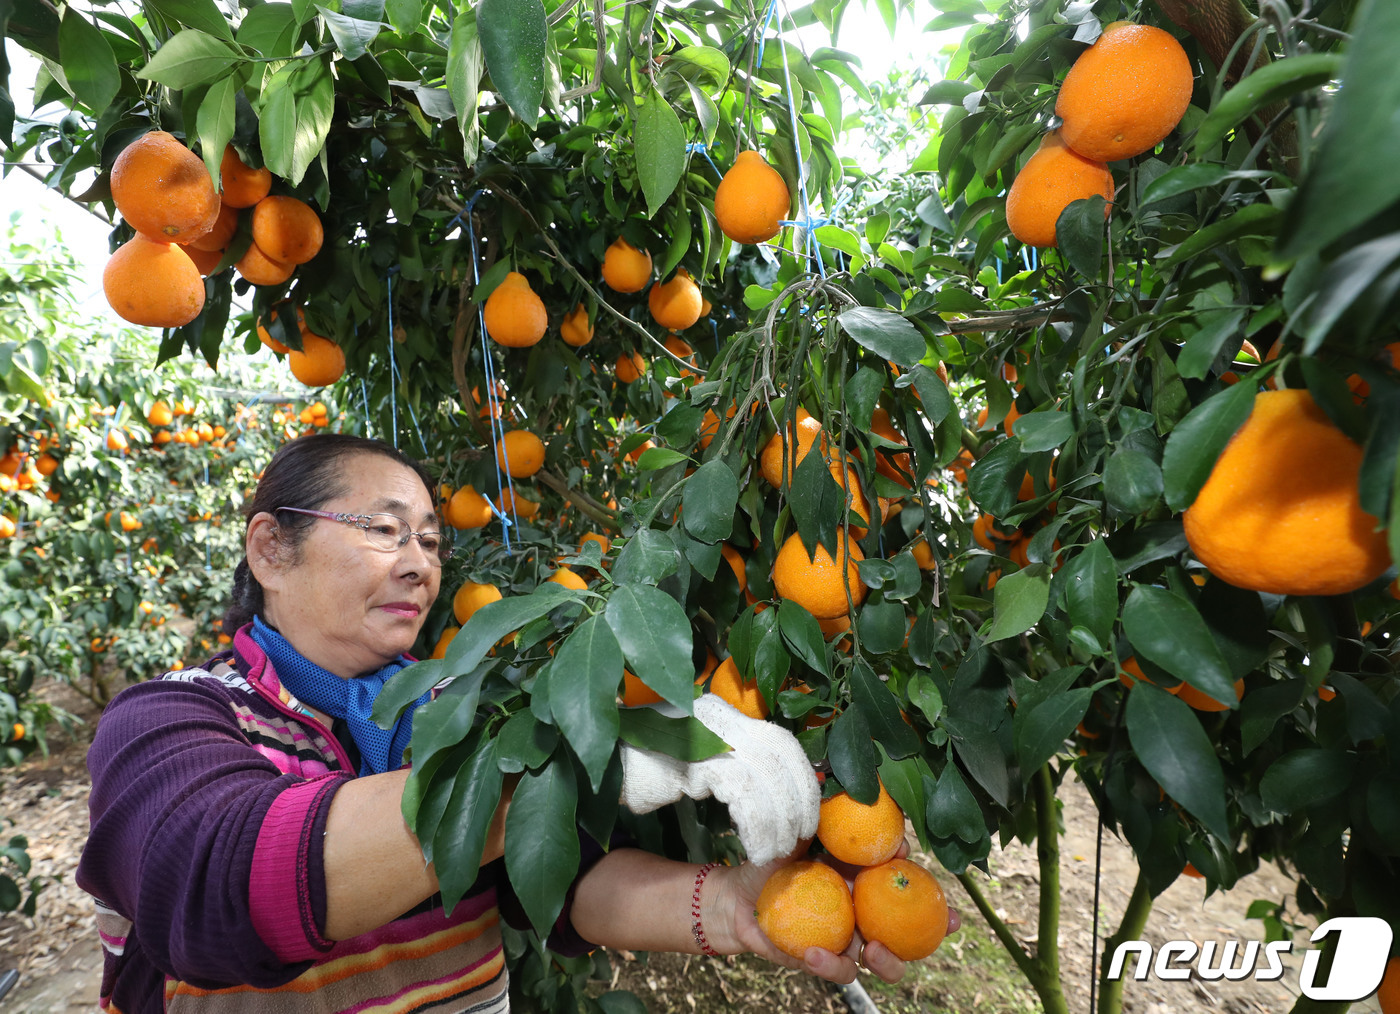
(264, 550)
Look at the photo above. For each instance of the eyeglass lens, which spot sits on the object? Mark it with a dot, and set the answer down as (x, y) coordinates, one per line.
(390, 532)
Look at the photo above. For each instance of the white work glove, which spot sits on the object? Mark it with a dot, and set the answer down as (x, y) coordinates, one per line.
(765, 779)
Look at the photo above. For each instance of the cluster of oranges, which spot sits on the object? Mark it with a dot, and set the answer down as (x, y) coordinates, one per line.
(162, 415)
(184, 229)
(808, 903)
(1123, 95)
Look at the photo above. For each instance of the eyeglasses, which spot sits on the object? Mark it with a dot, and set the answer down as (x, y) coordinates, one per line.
(388, 532)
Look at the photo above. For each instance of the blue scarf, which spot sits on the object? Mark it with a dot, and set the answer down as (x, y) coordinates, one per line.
(349, 699)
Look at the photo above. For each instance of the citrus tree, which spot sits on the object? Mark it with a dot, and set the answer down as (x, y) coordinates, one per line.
(931, 467)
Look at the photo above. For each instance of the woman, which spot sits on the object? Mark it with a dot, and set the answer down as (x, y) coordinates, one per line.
(247, 848)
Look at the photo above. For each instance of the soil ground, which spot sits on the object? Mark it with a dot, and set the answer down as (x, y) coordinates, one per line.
(59, 959)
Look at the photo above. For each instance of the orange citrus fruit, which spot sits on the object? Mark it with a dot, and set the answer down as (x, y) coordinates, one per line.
(260, 269)
(900, 904)
(860, 834)
(1281, 510)
(287, 230)
(890, 463)
(675, 304)
(219, 234)
(630, 367)
(604, 543)
(243, 187)
(806, 904)
(809, 435)
(472, 596)
(320, 361)
(160, 414)
(635, 693)
(729, 684)
(163, 190)
(1051, 179)
(575, 329)
(1388, 996)
(440, 649)
(816, 583)
(568, 579)
(153, 284)
(467, 509)
(751, 200)
(1125, 92)
(1203, 701)
(625, 268)
(521, 453)
(515, 316)
(205, 260)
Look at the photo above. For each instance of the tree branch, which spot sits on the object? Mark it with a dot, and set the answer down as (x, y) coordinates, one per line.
(597, 82)
(581, 500)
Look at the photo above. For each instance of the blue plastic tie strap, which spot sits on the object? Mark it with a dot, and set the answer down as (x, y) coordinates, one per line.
(704, 149)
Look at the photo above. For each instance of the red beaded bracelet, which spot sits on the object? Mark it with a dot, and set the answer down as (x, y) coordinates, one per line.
(695, 927)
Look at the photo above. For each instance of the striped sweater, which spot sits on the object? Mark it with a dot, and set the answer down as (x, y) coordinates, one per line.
(210, 790)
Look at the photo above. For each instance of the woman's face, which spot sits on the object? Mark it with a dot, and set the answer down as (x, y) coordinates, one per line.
(345, 605)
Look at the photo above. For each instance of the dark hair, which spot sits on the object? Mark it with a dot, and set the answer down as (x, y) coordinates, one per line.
(304, 473)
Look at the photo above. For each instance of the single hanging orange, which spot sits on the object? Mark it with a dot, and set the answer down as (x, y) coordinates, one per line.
(163, 190)
(1051, 179)
(515, 316)
(1281, 511)
(751, 200)
(675, 304)
(625, 268)
(1125, 92)
(575, 330)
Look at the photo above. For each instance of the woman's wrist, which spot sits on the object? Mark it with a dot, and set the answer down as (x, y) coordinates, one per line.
(716, 910)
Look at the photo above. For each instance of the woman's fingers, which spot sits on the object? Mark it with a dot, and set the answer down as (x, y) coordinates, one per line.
(881, 960)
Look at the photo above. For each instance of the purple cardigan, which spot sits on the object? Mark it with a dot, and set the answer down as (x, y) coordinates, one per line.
(210, 791)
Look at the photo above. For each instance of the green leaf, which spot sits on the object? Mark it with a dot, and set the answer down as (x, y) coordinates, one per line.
(513, 36)
(189, 58)
(1079, 234)
(904, 781)
(1196, 443)
(947, 93)
(708, 502)
(406, 16)
(817, 500)
(461, 834)
(758, 653)
(710, 62)
(881, 623)
(656, 458)
(660, 148)
(1305, 777)
(1044, 431)
(838, 239)
(933, 393)
(88, 61)
(862, 394)
(885, 333)
(851, 751)
(1091, 590)
(1238, 623)
(1346, 280)
(1168, 631)
(994, 481)
(481, 633)
(271, 29)
(1185, 178)
(683, 738)
(524, 742)
(649, 557)
(296, 118)
(352, 35)
(1019, 602)
(1171, 744)
(1041, 731)
(445, 721)
(1251, 220)
(952, 810)
(1271, 83)
(1132, 480)
(542, 847)
(1334, 198)
(655, 635)
(881, 712)
(585, 704)
(201, 14)
(214, 124)
(802, 633)
(464, 65)
(1214, 327)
